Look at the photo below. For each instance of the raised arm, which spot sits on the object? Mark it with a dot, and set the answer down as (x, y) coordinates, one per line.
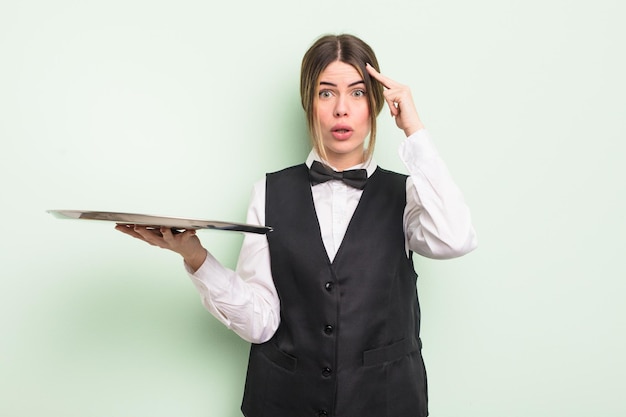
(437, 221)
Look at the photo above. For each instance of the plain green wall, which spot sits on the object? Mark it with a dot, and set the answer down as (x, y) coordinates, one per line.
(141, 105)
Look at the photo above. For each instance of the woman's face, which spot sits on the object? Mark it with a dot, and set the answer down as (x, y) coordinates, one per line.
(342, 109)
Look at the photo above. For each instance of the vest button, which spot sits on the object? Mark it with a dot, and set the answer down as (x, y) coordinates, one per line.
(322, 413)
(328, 329)
(326, 372)
(328, 286)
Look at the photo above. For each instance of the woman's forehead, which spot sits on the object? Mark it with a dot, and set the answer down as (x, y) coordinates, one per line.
(338, 72)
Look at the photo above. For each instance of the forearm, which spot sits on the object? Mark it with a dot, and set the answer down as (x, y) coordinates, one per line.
(437, 219)
(249, 306)
(246, 301)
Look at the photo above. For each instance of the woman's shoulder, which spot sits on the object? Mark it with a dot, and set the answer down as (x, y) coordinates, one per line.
(288, 170)
(390, 174)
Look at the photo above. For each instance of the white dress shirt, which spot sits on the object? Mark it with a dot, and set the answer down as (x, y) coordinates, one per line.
(437, 225)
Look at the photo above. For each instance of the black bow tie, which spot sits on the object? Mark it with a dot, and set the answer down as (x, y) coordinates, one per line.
(320, 173)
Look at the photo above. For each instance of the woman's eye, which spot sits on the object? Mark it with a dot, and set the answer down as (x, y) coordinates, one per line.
(325, 94)
(359, 93)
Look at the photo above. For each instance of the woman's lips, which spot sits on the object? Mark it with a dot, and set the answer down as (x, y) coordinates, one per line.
(341, 132)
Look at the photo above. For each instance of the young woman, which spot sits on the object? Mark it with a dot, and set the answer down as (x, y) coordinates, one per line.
(328, 299)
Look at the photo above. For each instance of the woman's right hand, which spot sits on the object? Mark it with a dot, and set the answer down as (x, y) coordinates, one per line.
(185, 244)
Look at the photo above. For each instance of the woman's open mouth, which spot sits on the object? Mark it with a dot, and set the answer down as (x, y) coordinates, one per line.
(341, 132)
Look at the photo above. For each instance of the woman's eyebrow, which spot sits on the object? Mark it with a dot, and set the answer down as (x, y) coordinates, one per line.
(335, 85)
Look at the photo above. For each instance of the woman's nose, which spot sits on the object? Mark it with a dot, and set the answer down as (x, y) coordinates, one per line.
(341, 108)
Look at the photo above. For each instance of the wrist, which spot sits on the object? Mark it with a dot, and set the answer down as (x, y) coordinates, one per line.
(413, 129)
(195, 259)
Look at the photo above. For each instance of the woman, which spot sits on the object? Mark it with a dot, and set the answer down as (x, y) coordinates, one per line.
(328, 299)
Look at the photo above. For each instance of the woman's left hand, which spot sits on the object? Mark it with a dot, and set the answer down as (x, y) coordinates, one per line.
(400, 101)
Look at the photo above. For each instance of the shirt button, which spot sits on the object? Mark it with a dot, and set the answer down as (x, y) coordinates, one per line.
(326, 372)
(328, 286)
(328, 329)
(322, 413)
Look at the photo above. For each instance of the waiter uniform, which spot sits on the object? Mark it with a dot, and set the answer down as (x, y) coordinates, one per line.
(348, 341)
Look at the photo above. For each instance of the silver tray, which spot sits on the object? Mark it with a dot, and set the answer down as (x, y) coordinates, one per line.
(175, 223)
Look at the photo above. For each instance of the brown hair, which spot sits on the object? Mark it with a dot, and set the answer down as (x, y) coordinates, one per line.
(347, 49)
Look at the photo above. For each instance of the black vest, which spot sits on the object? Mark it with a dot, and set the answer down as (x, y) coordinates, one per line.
(348, 342)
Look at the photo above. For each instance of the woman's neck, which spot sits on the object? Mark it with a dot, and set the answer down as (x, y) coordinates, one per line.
(344, 161)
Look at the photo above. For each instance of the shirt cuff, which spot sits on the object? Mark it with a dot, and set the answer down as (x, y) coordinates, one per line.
(212, 277)
(416, 148)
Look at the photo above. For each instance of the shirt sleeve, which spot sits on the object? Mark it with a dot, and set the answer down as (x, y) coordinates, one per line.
(244, 300)
(437, 221)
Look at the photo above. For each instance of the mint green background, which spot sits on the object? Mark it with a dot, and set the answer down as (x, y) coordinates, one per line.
(140, 105)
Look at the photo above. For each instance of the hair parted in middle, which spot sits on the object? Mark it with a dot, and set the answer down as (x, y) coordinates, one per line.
(350, 50)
